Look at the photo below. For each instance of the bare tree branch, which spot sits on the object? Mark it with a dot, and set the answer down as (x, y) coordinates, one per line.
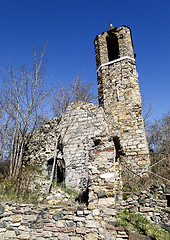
(21, 99)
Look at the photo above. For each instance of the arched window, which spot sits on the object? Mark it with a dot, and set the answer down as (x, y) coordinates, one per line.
(112, 47)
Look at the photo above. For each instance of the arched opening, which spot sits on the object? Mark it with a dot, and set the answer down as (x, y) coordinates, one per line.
(59, 171)
(112, 47)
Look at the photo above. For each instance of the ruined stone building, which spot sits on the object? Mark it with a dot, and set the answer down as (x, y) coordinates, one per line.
(90, 139)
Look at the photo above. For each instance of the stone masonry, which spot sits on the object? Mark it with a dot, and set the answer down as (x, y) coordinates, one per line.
(57, 222)
(118, 88)
(78, 222)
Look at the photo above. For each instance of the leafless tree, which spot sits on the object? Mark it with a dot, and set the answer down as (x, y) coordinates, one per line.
(158, 134)
(147, 111)
(21, 98)
(77, 90)
(157, 131)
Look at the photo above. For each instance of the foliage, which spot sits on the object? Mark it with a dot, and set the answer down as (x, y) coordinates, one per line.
(157, 131)
(142, 225)
(77, 90)
(4, 169)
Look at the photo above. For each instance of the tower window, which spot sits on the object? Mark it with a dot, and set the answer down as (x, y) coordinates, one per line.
(112, 47)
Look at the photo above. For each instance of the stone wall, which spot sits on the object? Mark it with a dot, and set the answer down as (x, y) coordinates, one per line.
(80, 124)
(117, 124)
(40, 222)
(104, 173)
(152, 204)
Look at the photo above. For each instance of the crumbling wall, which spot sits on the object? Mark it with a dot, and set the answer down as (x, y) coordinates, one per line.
(74, 133)
(41, 144)
(41, 222)
(104, 174)
(78, 222)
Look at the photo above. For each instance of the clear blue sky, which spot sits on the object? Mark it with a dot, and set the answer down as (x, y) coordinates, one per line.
(71, 26)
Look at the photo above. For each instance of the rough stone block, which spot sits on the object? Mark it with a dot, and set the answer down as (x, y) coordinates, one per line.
(91, 224)
(58, 216)
(109, 211)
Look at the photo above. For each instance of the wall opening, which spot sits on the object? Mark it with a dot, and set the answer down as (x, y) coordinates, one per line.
(112, 47)
(96, 142)
(59, 171)
(118, 147)
(50, 166)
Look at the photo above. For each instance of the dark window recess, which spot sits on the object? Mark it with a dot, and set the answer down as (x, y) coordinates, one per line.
(59, 172)
(118, 147)
(112, 47)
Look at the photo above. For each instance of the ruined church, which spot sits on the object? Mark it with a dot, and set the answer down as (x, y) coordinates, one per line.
(89, 139)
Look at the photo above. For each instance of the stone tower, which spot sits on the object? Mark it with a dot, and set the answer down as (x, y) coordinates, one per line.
(118, 89)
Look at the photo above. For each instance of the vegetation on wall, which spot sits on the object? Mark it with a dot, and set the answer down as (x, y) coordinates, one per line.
(138, 223)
